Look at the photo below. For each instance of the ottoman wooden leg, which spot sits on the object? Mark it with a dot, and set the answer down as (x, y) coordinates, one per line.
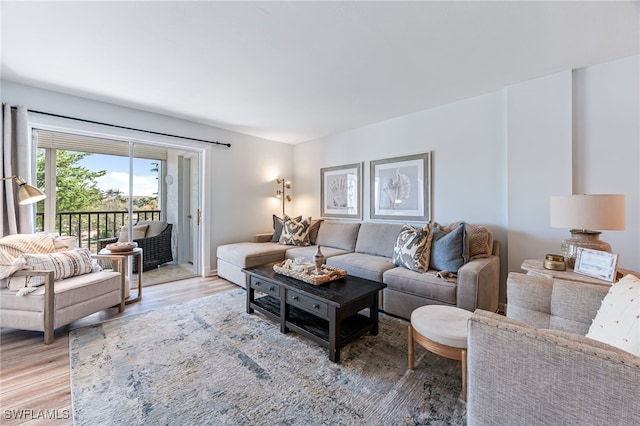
(410, 346)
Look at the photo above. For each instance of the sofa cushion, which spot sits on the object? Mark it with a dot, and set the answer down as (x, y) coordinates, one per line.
(449, 251)
(341, 235)
(249, 255)
(377, 238)
(277, 227)
(295, 232)
(412, 248)
(617, 322)
(308, 252)
(361, 265)
(64, 264)
(427, 285)
(139, 232)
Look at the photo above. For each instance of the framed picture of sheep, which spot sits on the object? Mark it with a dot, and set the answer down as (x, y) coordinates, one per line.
(400, 188)
(341, 191)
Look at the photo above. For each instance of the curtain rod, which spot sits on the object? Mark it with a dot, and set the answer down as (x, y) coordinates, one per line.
(127, 128)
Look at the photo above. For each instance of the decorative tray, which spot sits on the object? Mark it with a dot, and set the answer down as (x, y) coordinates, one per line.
(124, 246)
(328, 273)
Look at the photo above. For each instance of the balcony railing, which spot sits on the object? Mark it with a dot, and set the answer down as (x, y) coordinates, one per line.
(89, 227)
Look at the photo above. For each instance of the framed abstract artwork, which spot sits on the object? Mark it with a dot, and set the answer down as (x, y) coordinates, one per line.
(341, 191)
(400, 188)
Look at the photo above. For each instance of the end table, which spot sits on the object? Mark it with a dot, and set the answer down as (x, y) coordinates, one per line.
(534, 267)
(126, 254)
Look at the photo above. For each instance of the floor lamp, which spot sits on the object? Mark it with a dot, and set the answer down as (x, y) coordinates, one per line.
(280, 193)
(27, 194)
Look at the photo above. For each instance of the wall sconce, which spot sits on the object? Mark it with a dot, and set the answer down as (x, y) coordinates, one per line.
(281, 193)
(584, 215)
(27, 194)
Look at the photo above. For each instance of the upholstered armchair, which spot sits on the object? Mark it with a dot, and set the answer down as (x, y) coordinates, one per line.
(71, 287)
(538, 365)
(153, 237)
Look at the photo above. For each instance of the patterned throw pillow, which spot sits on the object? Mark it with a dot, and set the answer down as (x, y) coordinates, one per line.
(295, 232)
(64, 264)
(413, 248)
(277, 227)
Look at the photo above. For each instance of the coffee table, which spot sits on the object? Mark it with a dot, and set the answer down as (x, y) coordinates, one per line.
(327, 313)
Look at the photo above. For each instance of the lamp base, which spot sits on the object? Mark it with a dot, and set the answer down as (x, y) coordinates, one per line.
(585, 239)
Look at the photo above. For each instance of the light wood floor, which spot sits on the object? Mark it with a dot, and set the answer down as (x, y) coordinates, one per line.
(34, 377)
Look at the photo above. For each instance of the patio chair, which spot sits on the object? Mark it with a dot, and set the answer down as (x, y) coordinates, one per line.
(155, 245)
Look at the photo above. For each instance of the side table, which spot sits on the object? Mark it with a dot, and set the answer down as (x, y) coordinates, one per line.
(126, 254)
(534, 267)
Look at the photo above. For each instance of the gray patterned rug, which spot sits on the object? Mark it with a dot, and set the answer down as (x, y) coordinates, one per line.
(208, 362)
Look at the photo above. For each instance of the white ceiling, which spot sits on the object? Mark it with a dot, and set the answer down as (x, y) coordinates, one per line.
(297, 71)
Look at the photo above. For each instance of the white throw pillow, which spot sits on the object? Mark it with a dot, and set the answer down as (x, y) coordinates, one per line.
(617, 322)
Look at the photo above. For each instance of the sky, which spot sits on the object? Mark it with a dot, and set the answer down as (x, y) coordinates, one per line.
(145, 182)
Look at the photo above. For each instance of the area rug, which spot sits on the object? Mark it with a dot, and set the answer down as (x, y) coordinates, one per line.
(209, 362)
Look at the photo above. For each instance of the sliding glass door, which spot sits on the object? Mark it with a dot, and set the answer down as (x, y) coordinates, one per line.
(103, 190)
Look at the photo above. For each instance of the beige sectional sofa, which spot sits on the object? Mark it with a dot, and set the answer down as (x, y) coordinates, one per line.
(366, 250)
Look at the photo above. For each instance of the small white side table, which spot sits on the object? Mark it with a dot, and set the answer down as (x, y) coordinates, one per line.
(126, 254)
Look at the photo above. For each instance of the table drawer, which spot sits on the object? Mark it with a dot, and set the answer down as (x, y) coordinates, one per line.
(265, 287)
(307, 303)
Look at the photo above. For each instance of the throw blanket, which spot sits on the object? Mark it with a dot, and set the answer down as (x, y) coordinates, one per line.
(12, 246)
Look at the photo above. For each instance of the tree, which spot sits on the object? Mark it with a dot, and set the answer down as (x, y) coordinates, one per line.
(76, 186)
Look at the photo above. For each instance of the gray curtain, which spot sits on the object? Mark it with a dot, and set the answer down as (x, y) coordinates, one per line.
(16, 160)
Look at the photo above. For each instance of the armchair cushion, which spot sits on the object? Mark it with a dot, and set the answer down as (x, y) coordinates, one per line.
(155, 227)
(139, 231)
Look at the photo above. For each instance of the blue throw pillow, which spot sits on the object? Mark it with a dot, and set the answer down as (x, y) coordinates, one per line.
(449, 251)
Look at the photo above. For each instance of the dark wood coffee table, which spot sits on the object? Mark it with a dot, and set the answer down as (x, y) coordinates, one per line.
(327, 314)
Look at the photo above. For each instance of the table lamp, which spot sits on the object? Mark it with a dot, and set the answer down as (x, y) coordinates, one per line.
(585, 216)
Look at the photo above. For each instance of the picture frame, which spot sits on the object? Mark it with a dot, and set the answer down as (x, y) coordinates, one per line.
(341, 191)
(596, 264)
(400, 188)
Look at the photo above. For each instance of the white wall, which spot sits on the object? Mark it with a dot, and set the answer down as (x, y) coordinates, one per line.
(498, 158)
(539, 145)
(240, 184)
(607, 145)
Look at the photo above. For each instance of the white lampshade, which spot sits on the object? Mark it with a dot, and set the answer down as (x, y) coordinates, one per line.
(28, 194)
(595, 212)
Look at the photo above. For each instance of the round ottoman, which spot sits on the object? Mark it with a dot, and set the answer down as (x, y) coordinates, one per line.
(443, 331)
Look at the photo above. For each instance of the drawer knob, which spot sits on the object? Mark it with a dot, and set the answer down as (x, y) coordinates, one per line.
(271, 288)
(295, 297)
(316, 306)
